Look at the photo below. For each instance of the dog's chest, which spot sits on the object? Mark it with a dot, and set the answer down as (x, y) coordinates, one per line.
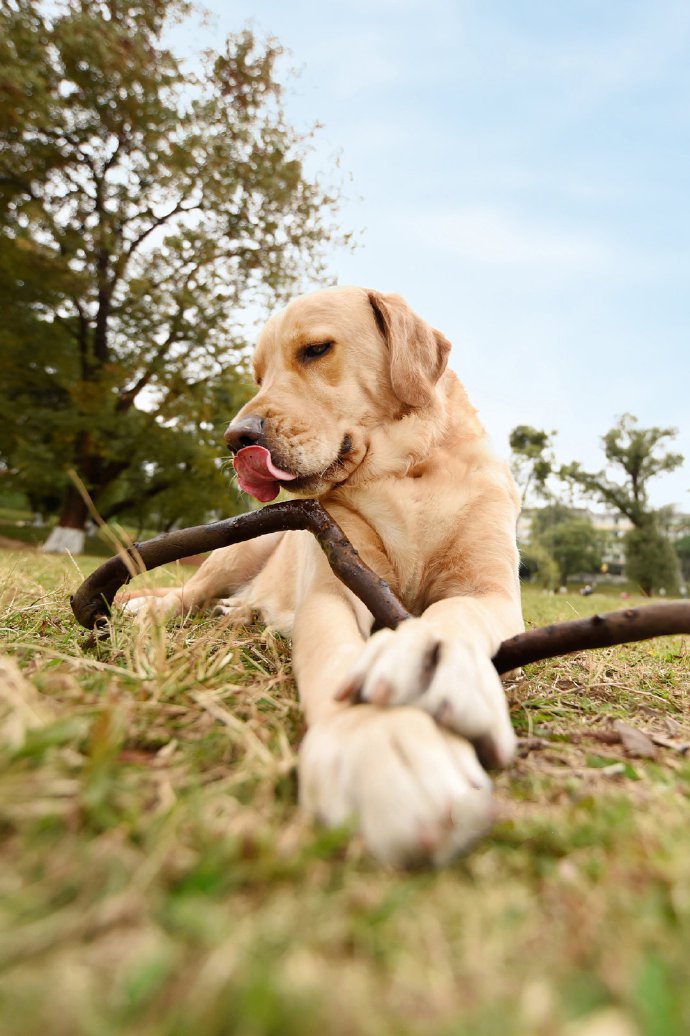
(415, 520)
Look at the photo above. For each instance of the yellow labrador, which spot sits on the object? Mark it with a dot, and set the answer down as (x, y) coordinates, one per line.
(355, 406)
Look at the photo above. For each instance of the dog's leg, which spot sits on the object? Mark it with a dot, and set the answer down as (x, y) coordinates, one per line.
(222, 574)
(441, 662)
(329, 633)
(415, 791)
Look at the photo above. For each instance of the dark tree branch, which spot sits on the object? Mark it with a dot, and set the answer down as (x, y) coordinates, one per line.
(129, 395)
(83, 339)
(94, 597)
(156, 221)
(10, 180)
(71, 330)
(91, 603)
(598, 631)
(174, 393)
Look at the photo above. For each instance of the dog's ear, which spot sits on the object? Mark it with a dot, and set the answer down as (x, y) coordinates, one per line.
(418, 353)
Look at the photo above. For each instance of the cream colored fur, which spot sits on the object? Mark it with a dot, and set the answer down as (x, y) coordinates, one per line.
(392, 716)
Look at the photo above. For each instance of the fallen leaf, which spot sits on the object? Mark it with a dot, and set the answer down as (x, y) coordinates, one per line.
(635, 742)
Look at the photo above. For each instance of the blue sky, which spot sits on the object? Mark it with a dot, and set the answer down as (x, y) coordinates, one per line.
(521, 174)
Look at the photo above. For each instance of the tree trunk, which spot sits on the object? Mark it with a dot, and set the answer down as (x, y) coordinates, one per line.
(69, 534)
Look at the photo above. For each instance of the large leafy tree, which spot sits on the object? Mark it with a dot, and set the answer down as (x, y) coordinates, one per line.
(143, 206)
(634, 456)
(575, 545)
(531, 459)
(650, 560)
(567, 539)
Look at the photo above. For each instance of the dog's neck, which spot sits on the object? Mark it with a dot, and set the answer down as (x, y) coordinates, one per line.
(395, 449)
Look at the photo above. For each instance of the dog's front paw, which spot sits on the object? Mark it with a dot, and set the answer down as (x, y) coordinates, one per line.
(416, 792)
(447, 677)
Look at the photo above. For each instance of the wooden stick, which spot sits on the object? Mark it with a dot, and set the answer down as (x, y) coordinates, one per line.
(597, 631)
(92, 601)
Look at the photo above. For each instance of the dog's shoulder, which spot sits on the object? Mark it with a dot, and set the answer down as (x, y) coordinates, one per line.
(428, 473)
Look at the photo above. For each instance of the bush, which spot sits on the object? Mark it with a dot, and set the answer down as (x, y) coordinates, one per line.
(537, 565)
(650, 560)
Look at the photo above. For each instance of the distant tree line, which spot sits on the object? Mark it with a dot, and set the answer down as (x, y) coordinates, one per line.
(563, 543)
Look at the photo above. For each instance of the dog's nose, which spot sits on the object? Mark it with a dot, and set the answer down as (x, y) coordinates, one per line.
(246, 432)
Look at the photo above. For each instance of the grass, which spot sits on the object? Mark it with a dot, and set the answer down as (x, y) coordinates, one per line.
(16, 524)
(157, 878)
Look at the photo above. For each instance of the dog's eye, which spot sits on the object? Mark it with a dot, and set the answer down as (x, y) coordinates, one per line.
(313, 352)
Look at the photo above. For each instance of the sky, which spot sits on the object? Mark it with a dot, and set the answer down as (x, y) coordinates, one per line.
(520, 173)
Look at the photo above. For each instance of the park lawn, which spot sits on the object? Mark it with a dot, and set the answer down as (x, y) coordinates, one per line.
(156, 876)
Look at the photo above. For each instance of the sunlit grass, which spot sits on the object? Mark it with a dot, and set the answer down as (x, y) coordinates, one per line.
(156, 876)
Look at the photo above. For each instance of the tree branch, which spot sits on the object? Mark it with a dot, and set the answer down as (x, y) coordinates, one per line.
(91, 602)
(128, 396)
(83, 339)
(71, 330)
(158, 221)
(129, 502)
(26, 186)
(607, 492)
(597, 631)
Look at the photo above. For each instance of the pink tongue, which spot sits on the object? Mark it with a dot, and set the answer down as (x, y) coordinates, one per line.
(258, 475)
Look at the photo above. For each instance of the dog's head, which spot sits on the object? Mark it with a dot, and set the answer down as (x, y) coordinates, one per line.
(331, 368)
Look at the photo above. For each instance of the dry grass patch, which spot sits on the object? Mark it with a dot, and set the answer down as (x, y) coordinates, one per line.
(156, 876)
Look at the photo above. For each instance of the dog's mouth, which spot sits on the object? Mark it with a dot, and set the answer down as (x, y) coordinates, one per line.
(259, 476)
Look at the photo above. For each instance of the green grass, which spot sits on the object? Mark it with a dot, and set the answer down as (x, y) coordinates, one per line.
(16, 525)
(156, 876)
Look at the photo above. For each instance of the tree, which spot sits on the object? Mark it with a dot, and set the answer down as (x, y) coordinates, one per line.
(143, 206)
(544, 518)
(532, 458)
(574, 544)
(640, 455)
(650, 560)
(682, 547)
(537, 564)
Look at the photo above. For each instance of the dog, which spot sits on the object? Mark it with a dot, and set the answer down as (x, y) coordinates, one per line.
(356, 407)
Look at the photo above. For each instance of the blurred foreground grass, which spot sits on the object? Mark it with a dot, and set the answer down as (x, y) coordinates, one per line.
(156, 877)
